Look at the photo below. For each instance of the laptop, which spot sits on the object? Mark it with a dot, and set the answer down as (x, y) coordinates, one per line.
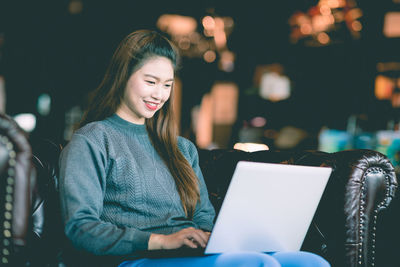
(268, 207)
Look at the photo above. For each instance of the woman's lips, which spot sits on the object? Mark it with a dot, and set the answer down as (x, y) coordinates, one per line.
(151, 105)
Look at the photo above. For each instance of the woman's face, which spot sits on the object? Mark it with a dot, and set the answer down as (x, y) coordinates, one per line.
(147, 90)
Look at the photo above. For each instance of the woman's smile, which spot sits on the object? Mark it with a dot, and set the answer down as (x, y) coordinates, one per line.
(151, 105)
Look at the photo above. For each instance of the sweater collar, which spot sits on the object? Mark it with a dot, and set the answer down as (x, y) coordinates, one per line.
(124, 124)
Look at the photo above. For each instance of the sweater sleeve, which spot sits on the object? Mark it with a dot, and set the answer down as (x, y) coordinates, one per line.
(204, 213)
(83, 170)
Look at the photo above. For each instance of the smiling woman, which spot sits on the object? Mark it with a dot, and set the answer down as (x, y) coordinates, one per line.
(128, 183)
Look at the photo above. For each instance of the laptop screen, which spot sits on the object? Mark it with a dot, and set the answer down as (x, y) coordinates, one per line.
(268, 207)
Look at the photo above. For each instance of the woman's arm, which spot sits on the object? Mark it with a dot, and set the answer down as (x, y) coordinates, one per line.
(83, 167)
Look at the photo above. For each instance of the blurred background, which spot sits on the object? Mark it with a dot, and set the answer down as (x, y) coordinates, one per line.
(289, 74)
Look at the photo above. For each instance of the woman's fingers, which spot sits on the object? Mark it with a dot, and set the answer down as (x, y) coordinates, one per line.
(203, 238)
(190, 237)
(198, 236)
(189, 242)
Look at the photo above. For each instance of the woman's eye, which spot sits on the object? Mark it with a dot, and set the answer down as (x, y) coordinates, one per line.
(150, 82)
(168, 85)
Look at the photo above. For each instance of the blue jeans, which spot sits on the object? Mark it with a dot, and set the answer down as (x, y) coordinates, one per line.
(236, 259)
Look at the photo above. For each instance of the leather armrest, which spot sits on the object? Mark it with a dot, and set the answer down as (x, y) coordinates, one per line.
(370, 186)
(15, 191)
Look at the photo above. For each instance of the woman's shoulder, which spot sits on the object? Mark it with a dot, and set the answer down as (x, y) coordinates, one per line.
(182, 141)
(187, 147)
(92, 128)
(96, 132)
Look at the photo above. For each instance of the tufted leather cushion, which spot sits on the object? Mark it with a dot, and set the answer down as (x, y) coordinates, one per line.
(16, 177)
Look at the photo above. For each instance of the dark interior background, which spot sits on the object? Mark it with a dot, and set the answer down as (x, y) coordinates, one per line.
(45, 49)
(48, 50)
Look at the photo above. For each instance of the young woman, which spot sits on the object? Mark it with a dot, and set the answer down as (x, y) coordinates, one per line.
(128, 183)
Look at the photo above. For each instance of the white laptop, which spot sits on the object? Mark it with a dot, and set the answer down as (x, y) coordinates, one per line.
(268, 207)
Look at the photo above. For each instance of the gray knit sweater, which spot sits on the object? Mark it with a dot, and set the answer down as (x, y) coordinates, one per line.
(115, 190)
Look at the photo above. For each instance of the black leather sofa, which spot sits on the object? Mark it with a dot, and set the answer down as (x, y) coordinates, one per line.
(344, 228)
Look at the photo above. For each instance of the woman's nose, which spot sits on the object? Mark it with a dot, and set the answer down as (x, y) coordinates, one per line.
(157, 92)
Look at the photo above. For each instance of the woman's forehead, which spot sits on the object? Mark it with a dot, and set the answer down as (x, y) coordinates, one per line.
(159, 67)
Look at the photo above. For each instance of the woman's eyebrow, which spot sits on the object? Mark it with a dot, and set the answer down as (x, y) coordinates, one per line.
(155, 77)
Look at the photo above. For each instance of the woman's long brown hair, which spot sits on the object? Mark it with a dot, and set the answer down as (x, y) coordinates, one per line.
(131, 54)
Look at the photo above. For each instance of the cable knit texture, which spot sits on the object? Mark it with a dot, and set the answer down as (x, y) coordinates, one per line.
(115, 189)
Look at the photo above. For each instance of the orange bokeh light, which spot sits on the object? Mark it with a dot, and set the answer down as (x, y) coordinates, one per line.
(356, 25)
(209, 56)
(323, 38)
(208, 23)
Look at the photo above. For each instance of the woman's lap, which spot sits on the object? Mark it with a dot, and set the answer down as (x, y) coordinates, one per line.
(237, 259)
(300, 258)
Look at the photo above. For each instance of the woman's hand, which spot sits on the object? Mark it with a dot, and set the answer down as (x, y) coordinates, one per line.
(190, 237)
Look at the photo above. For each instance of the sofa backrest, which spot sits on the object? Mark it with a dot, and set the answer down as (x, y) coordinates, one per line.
(46, 235)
